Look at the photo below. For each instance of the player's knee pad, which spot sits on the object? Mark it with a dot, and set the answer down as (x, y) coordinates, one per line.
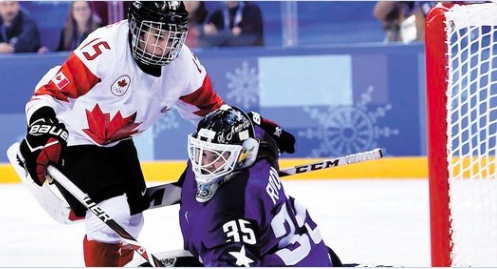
(118, 209)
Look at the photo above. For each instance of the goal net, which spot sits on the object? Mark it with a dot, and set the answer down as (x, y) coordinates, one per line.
(461, 57)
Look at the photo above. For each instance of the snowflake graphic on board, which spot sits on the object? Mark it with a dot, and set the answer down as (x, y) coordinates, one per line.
(168, 121)
(243, 86)
(346, 130)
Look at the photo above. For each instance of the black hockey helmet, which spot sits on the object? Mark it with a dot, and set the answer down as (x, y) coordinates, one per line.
(158, 30)
(223, 142)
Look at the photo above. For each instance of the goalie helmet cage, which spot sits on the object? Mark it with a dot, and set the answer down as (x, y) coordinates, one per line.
(461, 59)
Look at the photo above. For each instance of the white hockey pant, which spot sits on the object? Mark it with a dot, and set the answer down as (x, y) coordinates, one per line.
(118, 209)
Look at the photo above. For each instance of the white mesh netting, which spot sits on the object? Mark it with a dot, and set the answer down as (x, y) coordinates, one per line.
(472, 133)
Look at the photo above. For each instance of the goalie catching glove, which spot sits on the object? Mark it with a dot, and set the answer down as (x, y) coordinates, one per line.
(44, 143)
(284, 139)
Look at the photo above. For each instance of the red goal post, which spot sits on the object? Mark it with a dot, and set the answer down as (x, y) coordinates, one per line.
(461, 66)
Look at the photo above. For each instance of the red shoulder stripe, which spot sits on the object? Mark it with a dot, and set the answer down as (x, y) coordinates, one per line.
(204, 98)
(72, 81)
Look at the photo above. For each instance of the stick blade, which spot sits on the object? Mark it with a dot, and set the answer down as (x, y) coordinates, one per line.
(57, 208)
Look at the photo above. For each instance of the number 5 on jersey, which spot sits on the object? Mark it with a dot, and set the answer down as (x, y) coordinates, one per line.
(239, 231)
(94, 49)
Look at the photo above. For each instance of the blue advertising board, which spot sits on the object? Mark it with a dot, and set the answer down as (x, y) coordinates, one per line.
(336, 100)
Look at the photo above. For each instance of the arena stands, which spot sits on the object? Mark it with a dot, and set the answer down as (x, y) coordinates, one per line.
(319, 22)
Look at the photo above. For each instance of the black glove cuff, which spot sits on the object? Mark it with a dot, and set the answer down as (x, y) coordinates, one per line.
(284, 140)
(45, 112)
(49, 126)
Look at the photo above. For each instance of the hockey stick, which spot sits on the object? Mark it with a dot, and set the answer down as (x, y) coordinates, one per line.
(183, 258)
(325, 164)
(172, 258)
(170, 194)
(55, 174)
(84, 199)
(53, 204)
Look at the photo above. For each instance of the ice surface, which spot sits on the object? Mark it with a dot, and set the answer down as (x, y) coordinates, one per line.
(364, 221)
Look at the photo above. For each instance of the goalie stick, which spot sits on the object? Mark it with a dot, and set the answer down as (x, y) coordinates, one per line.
(165, 194)
(183, 258)
(325, 164)
(172, 258)
(170, 194)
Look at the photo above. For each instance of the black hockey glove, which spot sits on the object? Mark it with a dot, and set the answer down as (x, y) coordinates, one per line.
(44, 143)
(284, 139)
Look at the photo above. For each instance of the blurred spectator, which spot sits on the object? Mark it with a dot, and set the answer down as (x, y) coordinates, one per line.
(109, 12)
(18, 32)
(235, 24)
(403, 20)
(80, 23)
(388, 12)
(197, 15)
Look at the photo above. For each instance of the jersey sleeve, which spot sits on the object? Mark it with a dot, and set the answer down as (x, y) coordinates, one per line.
(199, 97)
(82, 70)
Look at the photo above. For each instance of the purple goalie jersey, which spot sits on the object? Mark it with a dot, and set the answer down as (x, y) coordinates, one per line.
(250, 221)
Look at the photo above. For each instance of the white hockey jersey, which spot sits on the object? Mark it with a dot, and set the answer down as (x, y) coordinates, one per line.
(102, 96)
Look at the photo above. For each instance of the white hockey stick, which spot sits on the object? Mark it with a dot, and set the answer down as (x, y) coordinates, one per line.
(165, 194)
(170, 194)
(325, 164)
(53, 204)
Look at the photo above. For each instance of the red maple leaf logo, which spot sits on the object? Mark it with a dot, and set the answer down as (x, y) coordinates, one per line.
(122, 83)
(59, 77)
(104, 131)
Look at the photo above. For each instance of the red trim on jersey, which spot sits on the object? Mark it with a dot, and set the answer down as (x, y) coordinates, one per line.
(80, 81)
(196, 65)
(89, 43)
(204, 98)
(29, 108)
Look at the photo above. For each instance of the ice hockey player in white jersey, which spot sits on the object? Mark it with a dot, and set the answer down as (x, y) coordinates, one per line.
(114, 86)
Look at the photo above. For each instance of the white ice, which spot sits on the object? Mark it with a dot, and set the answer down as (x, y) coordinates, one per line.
(365, 221)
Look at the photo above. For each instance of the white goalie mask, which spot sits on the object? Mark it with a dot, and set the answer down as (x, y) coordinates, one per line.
(158, 31)
(224, 142)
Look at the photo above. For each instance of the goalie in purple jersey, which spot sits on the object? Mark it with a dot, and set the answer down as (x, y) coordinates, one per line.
(234, 209)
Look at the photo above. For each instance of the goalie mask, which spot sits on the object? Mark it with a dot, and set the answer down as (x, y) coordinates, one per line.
(158, 31)
(224, 142)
